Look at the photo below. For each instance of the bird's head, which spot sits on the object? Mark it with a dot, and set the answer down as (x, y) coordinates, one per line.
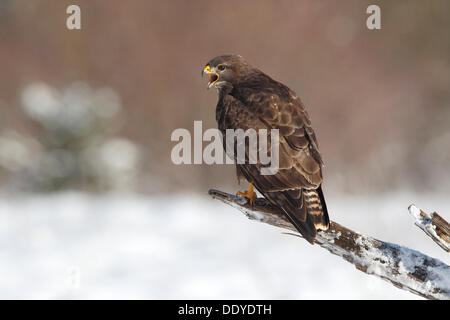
(225, 71)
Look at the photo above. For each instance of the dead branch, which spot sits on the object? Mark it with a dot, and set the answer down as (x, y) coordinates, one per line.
(405, 268)
(433, 225)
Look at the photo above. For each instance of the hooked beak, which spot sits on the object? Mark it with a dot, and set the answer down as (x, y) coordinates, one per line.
(213, 76)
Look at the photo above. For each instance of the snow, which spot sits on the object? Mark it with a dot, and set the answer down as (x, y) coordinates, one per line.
(397, 264)
(128, 246)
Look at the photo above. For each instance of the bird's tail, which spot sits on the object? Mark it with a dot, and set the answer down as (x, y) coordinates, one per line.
(306, 209)
(316, 208)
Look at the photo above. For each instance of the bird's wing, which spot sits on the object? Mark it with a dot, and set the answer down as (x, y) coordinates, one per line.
(300, 161)
(299, 157)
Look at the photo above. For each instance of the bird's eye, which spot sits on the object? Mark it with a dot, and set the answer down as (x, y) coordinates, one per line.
(220, 67)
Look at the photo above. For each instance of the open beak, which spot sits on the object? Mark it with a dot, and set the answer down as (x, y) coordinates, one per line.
(213, 76)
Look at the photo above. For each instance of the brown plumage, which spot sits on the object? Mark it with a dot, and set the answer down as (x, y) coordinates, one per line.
(248, 98)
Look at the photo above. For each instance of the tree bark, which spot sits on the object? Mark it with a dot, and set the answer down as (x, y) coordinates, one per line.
(405, 268)
(433, 225)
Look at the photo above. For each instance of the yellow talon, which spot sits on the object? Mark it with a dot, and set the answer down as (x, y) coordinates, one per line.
(250, 194)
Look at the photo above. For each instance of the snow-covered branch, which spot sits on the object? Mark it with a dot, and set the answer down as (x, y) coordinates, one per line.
(403, 267)
(433, 225)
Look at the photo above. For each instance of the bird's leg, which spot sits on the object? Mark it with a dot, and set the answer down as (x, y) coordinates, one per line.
(250, 194)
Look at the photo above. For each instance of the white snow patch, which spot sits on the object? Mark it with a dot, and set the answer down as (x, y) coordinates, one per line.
(128, 246)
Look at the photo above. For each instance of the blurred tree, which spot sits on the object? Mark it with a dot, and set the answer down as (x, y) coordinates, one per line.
(73, 148)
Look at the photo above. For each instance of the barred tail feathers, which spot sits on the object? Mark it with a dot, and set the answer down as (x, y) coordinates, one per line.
(317, 208)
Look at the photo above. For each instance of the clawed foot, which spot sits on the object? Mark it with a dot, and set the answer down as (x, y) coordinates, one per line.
(250, 194)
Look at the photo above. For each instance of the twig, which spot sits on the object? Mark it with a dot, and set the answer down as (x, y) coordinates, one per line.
(403, 267)
(433, 225)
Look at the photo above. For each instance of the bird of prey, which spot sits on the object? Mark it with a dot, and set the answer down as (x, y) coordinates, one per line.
(250, 99)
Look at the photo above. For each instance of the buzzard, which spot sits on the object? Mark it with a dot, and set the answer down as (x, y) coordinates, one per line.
(250, 99)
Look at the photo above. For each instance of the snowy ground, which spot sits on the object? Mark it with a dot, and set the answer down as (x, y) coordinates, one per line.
(81, 246)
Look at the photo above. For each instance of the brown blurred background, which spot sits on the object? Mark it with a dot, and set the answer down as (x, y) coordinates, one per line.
(379, 99)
